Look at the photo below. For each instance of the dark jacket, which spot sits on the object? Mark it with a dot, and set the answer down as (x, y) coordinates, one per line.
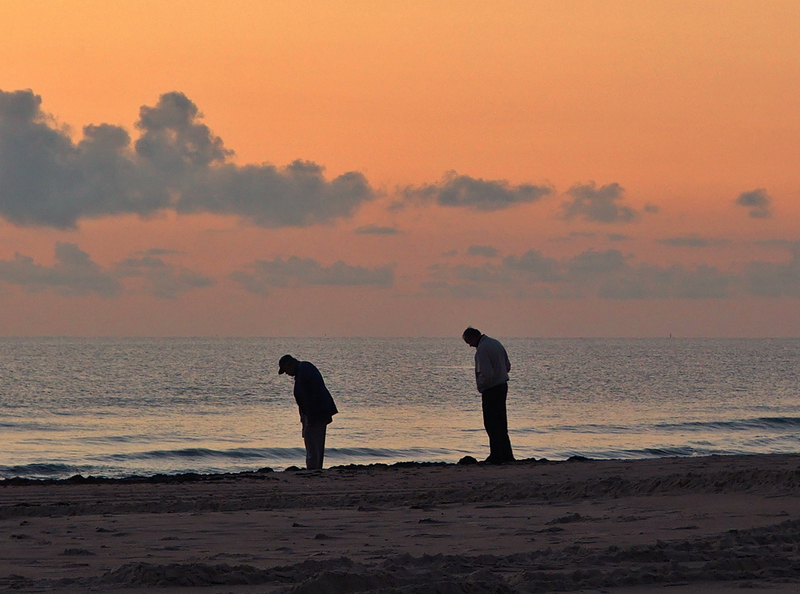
(313, 398)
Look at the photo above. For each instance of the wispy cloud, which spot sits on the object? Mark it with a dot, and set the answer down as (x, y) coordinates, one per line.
(376, 230)
(612, 274)
(535, 267)
(778, 243)
(600, 205)
(692, 241)
(757, 201)
(74, 273)
(463, 191)
(164, 280)
(262, 275)
(575, 235)
(775, 279)
(485, 251)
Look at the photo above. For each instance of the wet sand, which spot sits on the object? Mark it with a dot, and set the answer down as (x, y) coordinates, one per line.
(676, 525)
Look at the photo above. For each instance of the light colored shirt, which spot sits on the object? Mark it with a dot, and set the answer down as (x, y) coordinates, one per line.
(491, 363)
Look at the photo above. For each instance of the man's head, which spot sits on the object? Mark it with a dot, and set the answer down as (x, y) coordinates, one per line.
(287, 365)
(472, 336)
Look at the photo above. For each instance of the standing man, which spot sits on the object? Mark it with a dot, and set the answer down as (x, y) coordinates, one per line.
(491, 374)
(315, 403)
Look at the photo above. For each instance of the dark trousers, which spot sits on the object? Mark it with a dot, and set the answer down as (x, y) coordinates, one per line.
(496, 423)
(314, 438)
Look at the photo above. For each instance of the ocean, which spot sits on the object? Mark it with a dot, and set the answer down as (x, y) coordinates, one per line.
(143, 406)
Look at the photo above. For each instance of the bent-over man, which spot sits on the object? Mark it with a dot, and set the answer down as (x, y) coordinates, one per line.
(315, 403)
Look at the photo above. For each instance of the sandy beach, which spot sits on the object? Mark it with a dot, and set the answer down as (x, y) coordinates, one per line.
(676, 525)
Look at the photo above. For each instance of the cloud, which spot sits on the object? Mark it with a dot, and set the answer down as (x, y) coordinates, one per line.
(486, 274)
(692, 241)
(261, 275)
(592, 264)
(775, 279)
(463, 281)
(376, 230)
(46, 179)
(618, 237)
(158, 252)
(485, 251)
(779, 243)
(654, 282)
(73, 273)
(758, 201)
(463, 191)
(608, 274)
(297, 195)
(534, 266)
(164, 280)
(599, 205)
(575, 235)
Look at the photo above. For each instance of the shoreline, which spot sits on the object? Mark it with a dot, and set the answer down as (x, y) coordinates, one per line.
(687, 524)
(196, 476)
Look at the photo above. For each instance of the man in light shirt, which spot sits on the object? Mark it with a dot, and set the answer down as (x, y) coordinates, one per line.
(491, 375)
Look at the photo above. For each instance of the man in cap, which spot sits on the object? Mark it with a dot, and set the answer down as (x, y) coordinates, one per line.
(315, 403)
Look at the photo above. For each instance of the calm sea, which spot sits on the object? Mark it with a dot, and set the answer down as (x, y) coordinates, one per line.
(120, 407)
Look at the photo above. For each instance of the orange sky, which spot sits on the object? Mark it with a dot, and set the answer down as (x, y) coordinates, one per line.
(686, 106)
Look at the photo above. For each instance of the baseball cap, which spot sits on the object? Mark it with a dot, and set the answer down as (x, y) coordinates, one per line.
(284, 363)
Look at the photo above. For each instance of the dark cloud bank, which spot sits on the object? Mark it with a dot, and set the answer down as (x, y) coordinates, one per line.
(47, 179)
(177, 162)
